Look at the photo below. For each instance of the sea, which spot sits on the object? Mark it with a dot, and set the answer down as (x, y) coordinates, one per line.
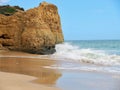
(88, 55)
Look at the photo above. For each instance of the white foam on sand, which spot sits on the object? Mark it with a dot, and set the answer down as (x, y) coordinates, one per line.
(93, 60)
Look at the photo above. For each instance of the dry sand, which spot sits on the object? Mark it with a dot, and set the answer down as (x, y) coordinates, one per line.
(20, 82)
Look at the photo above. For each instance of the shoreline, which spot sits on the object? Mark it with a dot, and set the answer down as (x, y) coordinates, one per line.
(30, 74)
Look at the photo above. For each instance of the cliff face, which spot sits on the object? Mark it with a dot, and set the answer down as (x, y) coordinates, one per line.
(36, 30)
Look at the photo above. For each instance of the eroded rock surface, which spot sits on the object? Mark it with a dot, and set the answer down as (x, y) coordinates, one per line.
(35, 31)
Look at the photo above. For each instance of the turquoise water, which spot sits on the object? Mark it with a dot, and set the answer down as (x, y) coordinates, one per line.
(94, 55)
(110, 46)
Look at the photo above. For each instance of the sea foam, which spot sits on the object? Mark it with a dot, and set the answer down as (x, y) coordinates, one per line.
(69, 52)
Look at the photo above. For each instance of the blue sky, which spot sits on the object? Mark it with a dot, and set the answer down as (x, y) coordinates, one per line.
(83, 19)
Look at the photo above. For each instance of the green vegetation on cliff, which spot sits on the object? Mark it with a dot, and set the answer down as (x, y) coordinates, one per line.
(9, 10)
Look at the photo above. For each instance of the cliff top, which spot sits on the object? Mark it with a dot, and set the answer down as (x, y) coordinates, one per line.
(9, 10)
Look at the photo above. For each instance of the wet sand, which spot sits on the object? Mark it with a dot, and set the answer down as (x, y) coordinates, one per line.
(26, 73)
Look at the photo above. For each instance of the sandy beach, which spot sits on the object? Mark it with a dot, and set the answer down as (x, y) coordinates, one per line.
(21, 72)
(10, 81)
(25, 73)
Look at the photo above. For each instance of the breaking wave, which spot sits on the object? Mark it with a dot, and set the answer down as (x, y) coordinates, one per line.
(67, 51)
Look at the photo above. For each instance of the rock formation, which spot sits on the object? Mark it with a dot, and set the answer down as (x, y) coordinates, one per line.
(35, 31)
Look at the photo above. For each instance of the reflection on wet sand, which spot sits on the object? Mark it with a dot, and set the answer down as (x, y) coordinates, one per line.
(32, 67)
